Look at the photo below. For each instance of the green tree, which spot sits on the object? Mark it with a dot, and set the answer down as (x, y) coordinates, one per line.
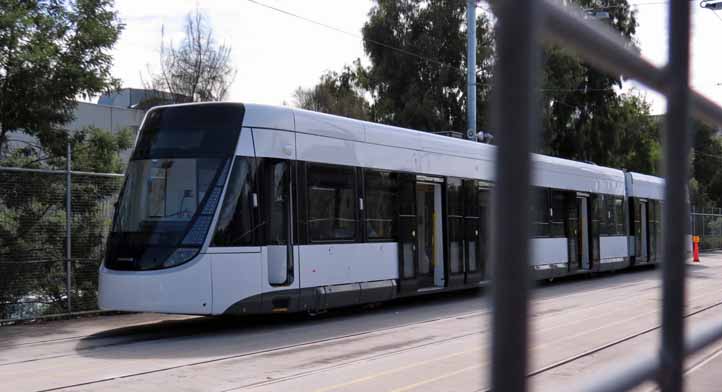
(706, 160)
(426, 90)
(50, 53)
(32, 221)
(585, 117)
(335, 93)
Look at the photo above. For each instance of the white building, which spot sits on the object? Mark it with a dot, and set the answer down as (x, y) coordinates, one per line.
(113, 112)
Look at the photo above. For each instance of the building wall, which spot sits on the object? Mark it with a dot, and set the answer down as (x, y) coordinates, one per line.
(110, 118)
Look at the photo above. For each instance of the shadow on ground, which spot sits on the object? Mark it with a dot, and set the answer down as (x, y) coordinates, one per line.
(205, 337)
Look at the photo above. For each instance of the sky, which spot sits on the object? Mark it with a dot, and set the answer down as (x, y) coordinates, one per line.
(276, 53)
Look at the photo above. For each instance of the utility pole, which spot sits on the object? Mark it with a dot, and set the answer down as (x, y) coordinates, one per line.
(471, 69)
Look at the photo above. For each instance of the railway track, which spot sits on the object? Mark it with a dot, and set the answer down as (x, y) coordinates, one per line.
(568, 316)
(617, 342)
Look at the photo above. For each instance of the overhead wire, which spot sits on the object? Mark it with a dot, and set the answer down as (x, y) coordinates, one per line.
(391, 47)
(373, 41)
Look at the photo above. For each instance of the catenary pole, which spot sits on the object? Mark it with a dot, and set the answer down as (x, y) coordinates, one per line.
(471, 69)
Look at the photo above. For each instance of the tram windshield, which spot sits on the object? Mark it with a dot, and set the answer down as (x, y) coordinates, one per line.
(173, 185)
(163, 195)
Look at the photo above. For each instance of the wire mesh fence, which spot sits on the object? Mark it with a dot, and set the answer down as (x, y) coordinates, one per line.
(36, 276)
(707, 224)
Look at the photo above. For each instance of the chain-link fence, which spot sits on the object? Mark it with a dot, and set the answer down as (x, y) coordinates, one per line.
(707, 224)
(48, 267)
(36, 276)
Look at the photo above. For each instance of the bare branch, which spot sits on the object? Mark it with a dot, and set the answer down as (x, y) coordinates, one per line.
(198, 69)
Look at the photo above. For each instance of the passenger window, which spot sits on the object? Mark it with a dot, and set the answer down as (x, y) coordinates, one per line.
(380, 199)
(276, 192)
(331, 203)
(603, 214)
(619, 215)
(598, 217)
(539, 213)
(556, 220)
(455, 213)
(235, 223)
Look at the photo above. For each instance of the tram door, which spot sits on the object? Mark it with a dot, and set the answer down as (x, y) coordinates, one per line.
(430, 256)
(583, 237)
(407, 232)
(277, 188)
(572, 227)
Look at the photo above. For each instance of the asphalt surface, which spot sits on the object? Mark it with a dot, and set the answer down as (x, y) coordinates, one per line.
(580, 328)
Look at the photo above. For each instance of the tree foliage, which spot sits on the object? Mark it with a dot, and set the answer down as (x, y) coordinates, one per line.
(32, 221)
(706, 189)
(335, 93)
(51, 52)
(93, 150)
(417, 79)
(426, 90)
(417, 76)
(197, 70)
(585, 117)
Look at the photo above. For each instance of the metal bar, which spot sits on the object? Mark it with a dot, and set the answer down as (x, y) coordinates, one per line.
(628, 375)
(676, 168)
(515, 117)
(622, 377)
(48, 171)
(608, 51)
(471, 69)
(69, 226)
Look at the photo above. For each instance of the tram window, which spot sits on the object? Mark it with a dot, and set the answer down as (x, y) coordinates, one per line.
(471, 198)
(275, 200)
(379, 199)
(598, 217)
(619, 215)
(556, 221)
(604, 214)
(455, 220)
(539, 213)
(331, 203)
(235, 223)
(611, 215)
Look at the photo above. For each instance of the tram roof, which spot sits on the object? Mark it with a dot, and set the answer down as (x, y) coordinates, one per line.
(645, 186)
(550, 171)
(555, 172)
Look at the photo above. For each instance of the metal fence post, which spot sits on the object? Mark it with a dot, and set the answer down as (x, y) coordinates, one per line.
(676, 151)
(69, 226)
(515, 118)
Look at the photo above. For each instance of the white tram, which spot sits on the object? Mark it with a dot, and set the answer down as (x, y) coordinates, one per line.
(243, 209)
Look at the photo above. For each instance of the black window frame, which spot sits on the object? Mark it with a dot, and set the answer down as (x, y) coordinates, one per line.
(357, 236)
(367, 174)
(256, 234)
(455, 223)
(539, 214)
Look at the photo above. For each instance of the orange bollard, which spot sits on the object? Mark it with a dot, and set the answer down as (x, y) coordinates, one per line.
(695, 249)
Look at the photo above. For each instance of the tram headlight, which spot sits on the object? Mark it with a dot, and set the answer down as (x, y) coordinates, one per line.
(180, 256)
